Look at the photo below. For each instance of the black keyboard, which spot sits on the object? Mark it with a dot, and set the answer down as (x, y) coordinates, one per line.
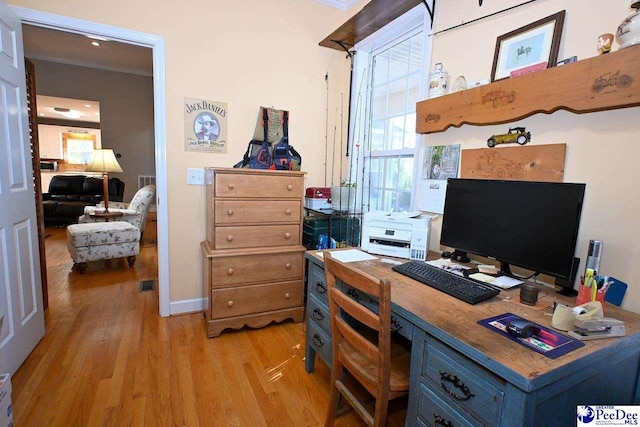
(459, 287)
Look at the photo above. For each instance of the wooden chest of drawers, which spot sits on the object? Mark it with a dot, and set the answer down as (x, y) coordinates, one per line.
(253, 254)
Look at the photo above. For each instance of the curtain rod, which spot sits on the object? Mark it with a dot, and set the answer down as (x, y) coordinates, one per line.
(481, 18)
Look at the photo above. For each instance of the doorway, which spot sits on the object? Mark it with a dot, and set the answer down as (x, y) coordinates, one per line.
(156, 43)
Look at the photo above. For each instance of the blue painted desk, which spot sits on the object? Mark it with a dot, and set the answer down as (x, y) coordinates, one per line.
(471, 376)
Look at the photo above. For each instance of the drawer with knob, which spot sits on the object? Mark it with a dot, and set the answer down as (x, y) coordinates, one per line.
(320, 342)
(243, 300)
(317, 312)
(317, 284)
(434, 411)
(257, 268)
(463, 383)
(257, 236)
(258, 185)
(236, 212)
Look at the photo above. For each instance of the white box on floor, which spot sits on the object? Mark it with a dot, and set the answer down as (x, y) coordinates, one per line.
(6, 411)
(315, 203)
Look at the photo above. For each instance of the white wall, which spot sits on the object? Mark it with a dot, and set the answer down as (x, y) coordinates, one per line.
(602, 148)
(126, 112)
(247, 54)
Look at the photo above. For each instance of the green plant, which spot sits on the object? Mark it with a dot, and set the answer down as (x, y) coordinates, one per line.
(346, 183)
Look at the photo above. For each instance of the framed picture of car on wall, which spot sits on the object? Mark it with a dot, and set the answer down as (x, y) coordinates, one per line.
(533, 45)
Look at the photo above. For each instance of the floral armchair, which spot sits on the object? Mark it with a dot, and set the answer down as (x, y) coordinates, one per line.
(134, 212)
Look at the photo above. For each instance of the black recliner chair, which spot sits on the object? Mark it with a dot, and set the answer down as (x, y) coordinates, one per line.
(69, 194)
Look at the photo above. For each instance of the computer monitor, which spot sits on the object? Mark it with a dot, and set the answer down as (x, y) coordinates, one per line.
(533, 225)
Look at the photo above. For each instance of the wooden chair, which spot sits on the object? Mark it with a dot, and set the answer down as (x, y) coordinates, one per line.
(382, 368)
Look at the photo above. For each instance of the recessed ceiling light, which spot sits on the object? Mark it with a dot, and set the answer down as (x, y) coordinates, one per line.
(68, 113)
(95, 43)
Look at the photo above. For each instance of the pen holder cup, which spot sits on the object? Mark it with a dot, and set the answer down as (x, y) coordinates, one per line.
(585, 295)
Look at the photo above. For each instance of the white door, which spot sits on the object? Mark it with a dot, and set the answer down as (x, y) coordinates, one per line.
(20, 281)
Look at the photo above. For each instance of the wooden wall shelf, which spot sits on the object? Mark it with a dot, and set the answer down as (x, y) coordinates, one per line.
(370, 19)
(601, 83)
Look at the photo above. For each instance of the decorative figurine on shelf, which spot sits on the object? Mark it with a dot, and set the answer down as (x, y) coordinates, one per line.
(460, 83)
(518, 135)
(628, 33)
(604, 43)
(438, 81)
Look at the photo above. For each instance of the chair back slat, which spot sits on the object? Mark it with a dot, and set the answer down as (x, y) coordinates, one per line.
(361, 341)
(356, 310)
(357, 341)
(380, 352)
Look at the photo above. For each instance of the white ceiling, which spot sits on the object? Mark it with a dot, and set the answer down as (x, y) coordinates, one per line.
(82, 110)
(76, 49)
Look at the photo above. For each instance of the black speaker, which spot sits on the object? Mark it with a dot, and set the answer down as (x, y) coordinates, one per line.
(566, 286)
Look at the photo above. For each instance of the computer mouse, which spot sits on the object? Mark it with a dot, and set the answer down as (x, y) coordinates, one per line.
(522, 328)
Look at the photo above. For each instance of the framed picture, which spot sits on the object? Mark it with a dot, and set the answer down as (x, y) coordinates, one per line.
(529, 46)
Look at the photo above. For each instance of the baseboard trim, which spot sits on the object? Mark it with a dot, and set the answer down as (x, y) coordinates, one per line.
(186, 306)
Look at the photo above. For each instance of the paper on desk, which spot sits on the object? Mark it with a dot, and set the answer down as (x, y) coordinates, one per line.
(351, 255)
(503, 282)
(448, 265)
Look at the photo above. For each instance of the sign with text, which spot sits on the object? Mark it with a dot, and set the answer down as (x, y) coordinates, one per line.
(205, 126)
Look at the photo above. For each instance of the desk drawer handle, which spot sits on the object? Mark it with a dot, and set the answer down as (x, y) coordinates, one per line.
(395, 325)
(288, 266)
(229, 238)
(230, 272)
(229, 212)
(287, 235)
(321, 288)
(441, 421)
(231, 186)
(453, 379)
(317, 314)
(289, 187)
(319, 342)
(287, 295)
(230, 303)
(288, 211)
(353, 294)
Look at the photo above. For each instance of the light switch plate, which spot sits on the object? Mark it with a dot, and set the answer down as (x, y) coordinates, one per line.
(195, 176)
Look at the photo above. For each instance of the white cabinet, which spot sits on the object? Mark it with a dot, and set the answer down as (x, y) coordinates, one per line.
(50, 142)
(51, 139)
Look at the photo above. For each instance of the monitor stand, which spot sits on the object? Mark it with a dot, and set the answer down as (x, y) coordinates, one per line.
(505, 270)
(566, 286)
(460, 256)
(570, 292)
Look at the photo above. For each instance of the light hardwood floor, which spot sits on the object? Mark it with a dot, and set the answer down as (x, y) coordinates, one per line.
(108, 358)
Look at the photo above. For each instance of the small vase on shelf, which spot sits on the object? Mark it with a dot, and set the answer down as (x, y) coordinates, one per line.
(628, 33)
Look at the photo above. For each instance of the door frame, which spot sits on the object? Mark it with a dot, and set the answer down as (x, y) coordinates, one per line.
(156, 43)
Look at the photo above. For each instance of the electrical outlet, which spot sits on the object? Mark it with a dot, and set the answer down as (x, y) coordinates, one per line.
(195, 176)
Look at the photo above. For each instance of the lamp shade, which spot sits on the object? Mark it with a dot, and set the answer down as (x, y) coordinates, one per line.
(103, 160)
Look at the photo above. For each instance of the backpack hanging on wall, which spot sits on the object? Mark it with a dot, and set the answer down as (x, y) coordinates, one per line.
(285, 157)
(258, 154)
(261, 154)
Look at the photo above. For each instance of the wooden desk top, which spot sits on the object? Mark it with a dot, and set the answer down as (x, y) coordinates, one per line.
(454, 322)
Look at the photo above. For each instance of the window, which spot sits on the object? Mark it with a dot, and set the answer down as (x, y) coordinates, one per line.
(388, 81)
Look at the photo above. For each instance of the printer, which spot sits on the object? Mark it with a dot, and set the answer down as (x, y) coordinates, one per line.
(401, 235)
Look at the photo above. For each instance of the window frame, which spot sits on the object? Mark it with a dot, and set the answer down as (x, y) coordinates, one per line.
(408, 25)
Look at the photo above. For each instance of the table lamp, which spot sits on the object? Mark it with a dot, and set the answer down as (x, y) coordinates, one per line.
(104, 161)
